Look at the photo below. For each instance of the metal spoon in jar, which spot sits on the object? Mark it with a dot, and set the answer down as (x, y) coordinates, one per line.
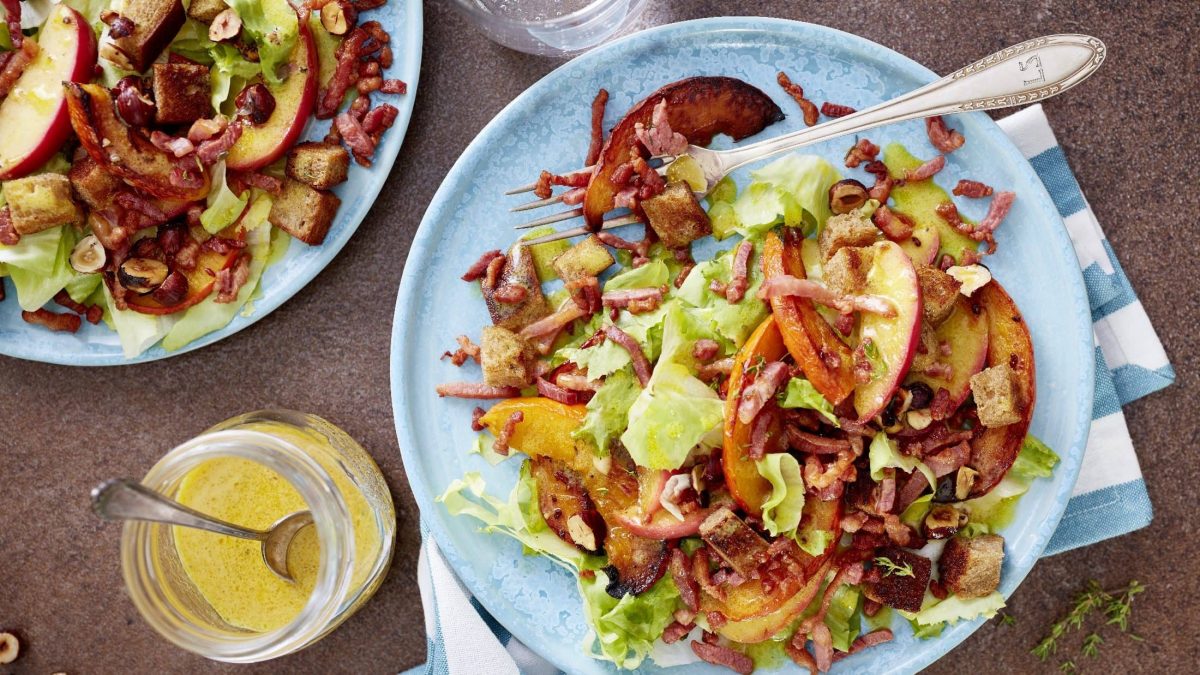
(125, 499)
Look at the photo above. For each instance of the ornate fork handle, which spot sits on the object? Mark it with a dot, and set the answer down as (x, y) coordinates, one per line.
(1016, 75)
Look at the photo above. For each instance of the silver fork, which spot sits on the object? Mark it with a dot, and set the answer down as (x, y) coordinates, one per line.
(1023, 73)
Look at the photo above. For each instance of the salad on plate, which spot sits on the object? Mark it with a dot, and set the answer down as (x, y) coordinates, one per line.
(796, 445)
(151, 154)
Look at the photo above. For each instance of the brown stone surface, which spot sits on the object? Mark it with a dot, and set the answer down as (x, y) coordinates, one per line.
(1128, 133)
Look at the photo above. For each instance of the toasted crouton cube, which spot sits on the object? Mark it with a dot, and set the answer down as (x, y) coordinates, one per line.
(848, 229)
(41, 202)
(181, 93)
(676, 217)
(588, 258)
(155, 24)
(901, 584)
(95, 185)
(970, 567)
(734, 540)
(995, 391)
(304, 212)
(504, 357)
(939, 292)
(846, 271)
(321, 165)
(519, 271)
(205, 11)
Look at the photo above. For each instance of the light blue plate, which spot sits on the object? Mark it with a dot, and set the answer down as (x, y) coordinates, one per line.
(547, 127)
(98, 346)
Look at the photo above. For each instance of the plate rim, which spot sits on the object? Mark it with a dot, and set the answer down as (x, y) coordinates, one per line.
(413, 36)
(409, 286)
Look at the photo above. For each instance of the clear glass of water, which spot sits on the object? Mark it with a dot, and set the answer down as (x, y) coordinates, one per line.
(550, 27)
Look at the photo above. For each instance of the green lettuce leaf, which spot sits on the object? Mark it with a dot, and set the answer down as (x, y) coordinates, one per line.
(651, 275)
(995, 510)
(793, 190)
(228, 74)
(915, 514)
(82, 286)
(36, 253)
(624, 631)
(844, 617)
(800, 393)
(1036, 459)
(670, 417)
(782, 510)
(954, 609)
(884, 454)
(813, 541)
(136, 331)
(274, 27)
(224, 206)
(34, 286)
(600, 360)
(608, 411)
(733, 322)
(89, 9)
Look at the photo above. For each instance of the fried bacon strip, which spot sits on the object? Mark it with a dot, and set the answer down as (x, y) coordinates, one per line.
(787, 285)
(65, 323)
(943, 138)
(705, 349)
(598, 105)
(836, 110)
(345, 74)
(575, 179)
(724, 656)
(681, 574)
(895, 226)
(12, 64)
(479, 268)
(466, 350)
(797, 93)
(476, 390)
(882, 189)
(658, 138)
(12, 17)
(641, 366)
(757, 394)
(735, 290)
(231, 279)
(8, 234)
(875, 637)
(862, 151)
(972, 189)
(500, 445)
(926, 170)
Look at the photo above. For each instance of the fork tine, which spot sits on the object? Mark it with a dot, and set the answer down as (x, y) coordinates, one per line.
(577, 231)
(539, 203)
(564, 215)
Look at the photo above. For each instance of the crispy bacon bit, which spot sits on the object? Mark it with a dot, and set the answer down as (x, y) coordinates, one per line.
(262, 181)
(651, 183)
(899, 533)
(211, 150)
(850, 574)
(94, 314)
(13, 64)
(723, 656)
(719, 368)
(943, 138)
(65, 323)
(12, 17)
(552, 324)
(476, 419)
(787, 285)
(760, 433)
(179, 147)
(598, 105)
(510, 426)
(681, 574)
(202, 130)
(510, 294)
(740, 281)
(875, 637)
(705, 349)
(800, 656)
(222, 245)
(804, 441)
(645, 299)
(585, 292)
(820, 477)
(8, 234)
(143, 206)
(862, 151)
(822, 647)
(466, 350)
(641, 366)
(356, 138)
(476, 390)
(575, 179)
(882, 189)
(64, 298)
(189, 252)
(675, 631)
(565, 396)
(836, 109)
(574, 196)
(972, 189)
(895, 226)
(231, 279)
(1001, 204)
(937, 589)
(658, 138)
(367, 85)
(756, 395)
(393, 86)
(926, 170)
(480, 267)
(617, 242)
(379, 119)
(703, 575)
(797, 93)
(887, 492)
(492, 276)
(345, 74)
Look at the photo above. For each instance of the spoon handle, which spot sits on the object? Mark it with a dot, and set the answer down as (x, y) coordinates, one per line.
(125, 499)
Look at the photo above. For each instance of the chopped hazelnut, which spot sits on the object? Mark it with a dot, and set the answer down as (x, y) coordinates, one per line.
(227, 24)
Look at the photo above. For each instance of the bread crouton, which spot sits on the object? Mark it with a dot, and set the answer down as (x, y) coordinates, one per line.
(95, 185)
(321, 165)
(995, 391)
(155, 24)
(849, 229)
(588, 258)
(205, 11)
(518, 271)
(735, 541)
(901, 584)
(41, 202)
(504, 357)
(182, 93)
(970, 567)
(676, 217)
(304, 212)
(939, 292)
(845, 272)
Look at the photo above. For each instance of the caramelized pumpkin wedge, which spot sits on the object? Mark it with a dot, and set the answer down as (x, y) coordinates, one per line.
(545, 430)
(565, 505)
(697, 107)
(994, 451)
(126, 153)
(826, 361)
(746, 486)
(766, 626)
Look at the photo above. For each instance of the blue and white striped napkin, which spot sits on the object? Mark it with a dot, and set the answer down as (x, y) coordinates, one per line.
(1109, 499)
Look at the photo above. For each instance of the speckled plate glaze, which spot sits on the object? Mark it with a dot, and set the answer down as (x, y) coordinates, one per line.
(99, 346)
(546, 127)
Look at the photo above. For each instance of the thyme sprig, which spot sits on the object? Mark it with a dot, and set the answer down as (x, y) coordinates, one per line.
(1116, 606)
(891, 568)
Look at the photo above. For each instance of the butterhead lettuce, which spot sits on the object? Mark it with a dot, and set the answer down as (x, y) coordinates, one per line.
(782, 510)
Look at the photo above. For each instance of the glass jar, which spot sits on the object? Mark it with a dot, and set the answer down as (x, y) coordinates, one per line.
(551, 27)
(334, 476)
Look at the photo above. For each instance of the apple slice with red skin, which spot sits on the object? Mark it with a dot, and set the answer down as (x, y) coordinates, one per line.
(260, 145)
(34, 122)
(965, 331)
(651, 483)
(122, 151)
(748, 488)
(201, 282)
(825, 360)
(895, 338)
(697, 107)
(995, 449)
(922, 246)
